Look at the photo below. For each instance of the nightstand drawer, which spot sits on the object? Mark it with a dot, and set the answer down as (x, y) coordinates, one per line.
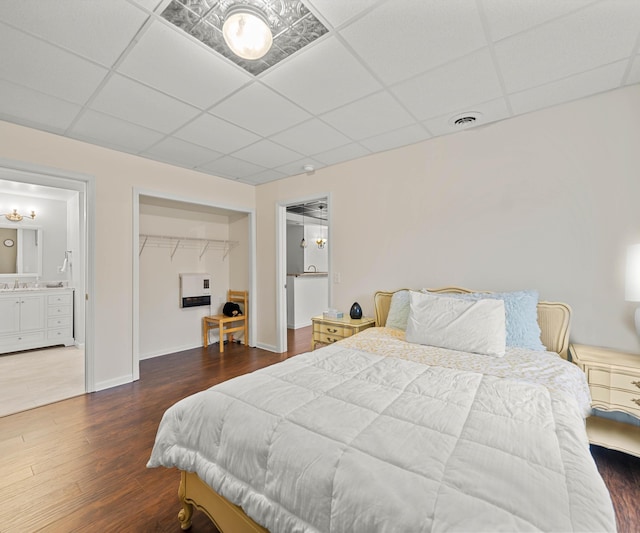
(614, 399)
(615, 380)
(326, 339)
(331, 329)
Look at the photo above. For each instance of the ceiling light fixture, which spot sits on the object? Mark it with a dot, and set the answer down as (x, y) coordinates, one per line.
(17, 217)
(246, 31)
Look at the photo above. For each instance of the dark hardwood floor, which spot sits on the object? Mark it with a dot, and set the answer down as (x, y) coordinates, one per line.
(79, 464)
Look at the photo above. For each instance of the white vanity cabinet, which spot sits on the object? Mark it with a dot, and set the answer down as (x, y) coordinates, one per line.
(35, 319)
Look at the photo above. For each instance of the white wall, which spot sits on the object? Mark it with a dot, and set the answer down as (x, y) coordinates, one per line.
(547, 200)
(116, 175)
(239, 256)
(165, 327)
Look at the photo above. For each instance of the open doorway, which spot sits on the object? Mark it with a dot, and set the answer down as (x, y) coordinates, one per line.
(303, 263)
(44, 339)
(177, 236)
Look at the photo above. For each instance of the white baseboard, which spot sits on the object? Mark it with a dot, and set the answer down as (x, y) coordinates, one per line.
(167, 351)
(115, 382)
(267, 347)
(299, 325)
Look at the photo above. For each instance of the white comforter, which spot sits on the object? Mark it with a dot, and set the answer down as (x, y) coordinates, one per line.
(340, 440)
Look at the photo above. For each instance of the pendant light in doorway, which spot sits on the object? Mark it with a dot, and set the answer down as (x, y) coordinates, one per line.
(303, 242)
(321, 241)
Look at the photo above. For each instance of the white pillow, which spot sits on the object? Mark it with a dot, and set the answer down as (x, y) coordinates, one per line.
(463, 325)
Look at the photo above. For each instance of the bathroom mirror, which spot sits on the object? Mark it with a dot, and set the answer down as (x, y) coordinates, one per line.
(20, 251)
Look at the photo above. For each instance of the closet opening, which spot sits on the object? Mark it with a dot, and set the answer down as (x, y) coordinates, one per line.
(177, 238)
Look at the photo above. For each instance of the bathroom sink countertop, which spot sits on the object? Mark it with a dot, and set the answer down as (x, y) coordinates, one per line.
(30, 289)
(308, 274)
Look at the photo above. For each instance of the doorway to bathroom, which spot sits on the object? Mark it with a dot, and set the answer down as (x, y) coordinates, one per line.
(45, 349)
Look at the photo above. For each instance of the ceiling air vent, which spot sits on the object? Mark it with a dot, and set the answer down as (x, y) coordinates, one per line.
(465, 119)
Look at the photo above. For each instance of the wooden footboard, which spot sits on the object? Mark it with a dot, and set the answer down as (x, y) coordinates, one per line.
(227, 517)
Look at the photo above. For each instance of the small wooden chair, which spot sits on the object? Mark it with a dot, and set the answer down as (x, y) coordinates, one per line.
(221, 321)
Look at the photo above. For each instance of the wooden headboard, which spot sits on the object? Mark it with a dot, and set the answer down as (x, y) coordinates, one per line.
(553, 318)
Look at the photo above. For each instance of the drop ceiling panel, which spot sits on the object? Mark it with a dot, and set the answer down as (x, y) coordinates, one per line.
(370, 116)
(260, 110)
(396, 138)
(337, 13)
(150, 5)
(98, 30)
(232, 167)
(181, 152)
(113, 132)
(264, 177)
(267, 154)
(524, 15)
(216, 134)
(181, 67)
(426, 31)
(463, 82)
(311, 137)
(308, 79)
(31, 108)
(137, 103)
(584, 40)
(296, 167)
(28, 61)
(587, 83)
(341, 154)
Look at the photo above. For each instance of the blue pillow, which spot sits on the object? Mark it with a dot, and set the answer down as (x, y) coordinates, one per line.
(521, 316)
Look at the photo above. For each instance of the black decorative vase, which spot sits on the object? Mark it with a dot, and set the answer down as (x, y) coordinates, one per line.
(356, 311)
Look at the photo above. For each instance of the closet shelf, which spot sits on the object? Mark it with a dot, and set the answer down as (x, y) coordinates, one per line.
(174, 243)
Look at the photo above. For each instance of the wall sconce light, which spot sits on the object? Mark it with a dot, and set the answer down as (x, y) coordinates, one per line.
(632, 286)
(17, 217)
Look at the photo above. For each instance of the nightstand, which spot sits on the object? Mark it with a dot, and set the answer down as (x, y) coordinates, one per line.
(330, 330)
(614, 382)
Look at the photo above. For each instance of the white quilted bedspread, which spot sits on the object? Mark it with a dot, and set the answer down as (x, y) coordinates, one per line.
(340, 440)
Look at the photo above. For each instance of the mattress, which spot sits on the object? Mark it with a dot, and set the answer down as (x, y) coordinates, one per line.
(346, 440)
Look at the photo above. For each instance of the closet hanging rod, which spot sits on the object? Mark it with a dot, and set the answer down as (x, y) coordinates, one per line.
(175, 242)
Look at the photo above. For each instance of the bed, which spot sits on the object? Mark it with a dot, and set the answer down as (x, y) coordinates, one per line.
(376, 434)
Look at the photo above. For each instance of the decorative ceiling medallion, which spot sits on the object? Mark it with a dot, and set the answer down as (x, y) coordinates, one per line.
(293, 27)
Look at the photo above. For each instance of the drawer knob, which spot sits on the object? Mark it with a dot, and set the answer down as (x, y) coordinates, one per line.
(636, 401)
(332, 330)
(636, 383)
(334, 340)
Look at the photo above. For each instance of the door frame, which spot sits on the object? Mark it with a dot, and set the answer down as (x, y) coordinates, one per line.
(84, 184)
(137, 192)
(281, 261)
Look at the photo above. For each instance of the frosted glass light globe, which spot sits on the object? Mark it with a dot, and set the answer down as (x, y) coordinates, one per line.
(247, 33)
